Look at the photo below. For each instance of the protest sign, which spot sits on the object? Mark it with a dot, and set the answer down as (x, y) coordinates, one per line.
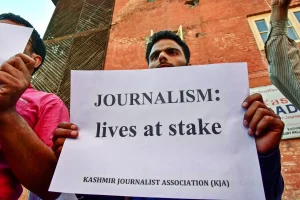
(171, 132)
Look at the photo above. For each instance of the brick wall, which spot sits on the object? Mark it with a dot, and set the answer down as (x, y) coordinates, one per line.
(216, 32)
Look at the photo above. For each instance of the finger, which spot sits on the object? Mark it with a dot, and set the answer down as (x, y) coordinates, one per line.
(26, 59)
(258, 116)
(10, 70)
(6, 78)
(29, 62)
(65, 133)
(66, 130)
(19, 64)
(269, 122)
(251, 99)
(13, 61)
(67, 125)
(58, 152)
(10, 61)
(271, 130)
(58, 142)
(59, 149)
(251, 111)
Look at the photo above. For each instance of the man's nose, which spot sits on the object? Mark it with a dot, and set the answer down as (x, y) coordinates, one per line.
(163, 57)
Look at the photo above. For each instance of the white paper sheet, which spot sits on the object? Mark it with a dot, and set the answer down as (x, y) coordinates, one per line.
(13, 40)
(90, 164)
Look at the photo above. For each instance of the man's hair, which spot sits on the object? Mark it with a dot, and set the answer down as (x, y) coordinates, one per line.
(38, 45)
(171, 36)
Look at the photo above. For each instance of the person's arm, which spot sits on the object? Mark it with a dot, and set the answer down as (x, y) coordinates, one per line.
(283, 54)
(267, 128)
(31, 161)
(271, 175)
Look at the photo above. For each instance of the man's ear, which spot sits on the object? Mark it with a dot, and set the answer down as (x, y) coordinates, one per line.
(38, 60)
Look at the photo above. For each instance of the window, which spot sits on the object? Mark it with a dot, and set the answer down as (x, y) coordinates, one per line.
(291, 31)
(297, 15)
(295, 18)
(260, 27)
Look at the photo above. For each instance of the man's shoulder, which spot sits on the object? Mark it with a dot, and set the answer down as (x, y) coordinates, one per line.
(40, 97)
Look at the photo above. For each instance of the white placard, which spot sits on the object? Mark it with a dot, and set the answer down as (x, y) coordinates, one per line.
(289, 113)
(199, 148)
(13, 40)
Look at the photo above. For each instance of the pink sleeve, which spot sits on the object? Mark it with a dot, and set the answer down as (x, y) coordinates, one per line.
(51, 114)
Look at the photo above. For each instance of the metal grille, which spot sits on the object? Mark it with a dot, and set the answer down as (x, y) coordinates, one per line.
(65, 18)
(49, 76)
(76, 39)
(94, 15)
(88, 53)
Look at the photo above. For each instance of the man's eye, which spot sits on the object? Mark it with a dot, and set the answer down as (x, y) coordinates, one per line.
(172, 52)
(154, 57)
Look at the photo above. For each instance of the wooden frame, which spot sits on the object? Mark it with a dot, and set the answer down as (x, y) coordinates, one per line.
(292, 18)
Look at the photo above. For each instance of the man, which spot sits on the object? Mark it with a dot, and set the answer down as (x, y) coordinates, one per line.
(168, 50)
(283, 54)
(28, 119)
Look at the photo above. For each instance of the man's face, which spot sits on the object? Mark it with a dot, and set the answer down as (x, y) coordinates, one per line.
(28, 47)
(166, 53)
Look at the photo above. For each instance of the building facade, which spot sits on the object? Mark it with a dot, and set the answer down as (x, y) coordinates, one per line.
(112, 35)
